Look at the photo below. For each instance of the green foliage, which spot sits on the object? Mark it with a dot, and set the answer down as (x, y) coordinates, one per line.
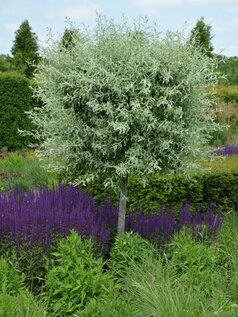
(189, 278)
(228, 135)
(228, 67)
(11, 282)
(25, 50)
(31, 261)
(196, 264)
(22, 305)
(5, 63)
(75, 276)
(226, 115)
(227, 93)
(15, 300)
(154, 291)
(201, 36)
(219, 186)
(221, 164)
(69, 38)
(228, 245)
(24, 171)
(129, 248)
(15, 99)
(12, 162)
(113, 305)
(123, 102)
(219, 138)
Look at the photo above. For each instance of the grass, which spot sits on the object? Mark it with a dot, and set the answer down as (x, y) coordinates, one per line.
(25, 171)
(191, 278)
(227, 115)
(156, 291)
(227, 93)
(222, 164)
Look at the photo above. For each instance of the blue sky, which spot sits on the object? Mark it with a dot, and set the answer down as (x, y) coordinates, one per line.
(172, 15)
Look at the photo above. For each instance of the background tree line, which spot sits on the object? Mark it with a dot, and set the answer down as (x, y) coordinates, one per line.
(25, 51)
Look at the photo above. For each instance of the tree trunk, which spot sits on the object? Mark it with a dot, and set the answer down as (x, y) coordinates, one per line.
(122, 206)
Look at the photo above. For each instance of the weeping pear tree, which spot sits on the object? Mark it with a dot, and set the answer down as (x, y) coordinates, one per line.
(122, 102)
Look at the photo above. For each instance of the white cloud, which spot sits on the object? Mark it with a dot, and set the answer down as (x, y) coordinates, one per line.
(211, 2)
(224, 26)
(11, 26)
(13, 8)
(153, 3)
(232, 9)
(82, 12)
(228, 51)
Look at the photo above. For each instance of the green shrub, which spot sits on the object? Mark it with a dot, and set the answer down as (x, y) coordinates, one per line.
(127, 249)
(195, 263)
(15, 99)
(75, 276)
(31, 260)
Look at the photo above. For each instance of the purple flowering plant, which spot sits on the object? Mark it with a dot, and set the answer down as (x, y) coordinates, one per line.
(227, 149)
(38, 215)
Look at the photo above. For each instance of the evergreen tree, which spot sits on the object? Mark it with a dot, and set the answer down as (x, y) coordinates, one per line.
(25, 49)
(69, 38)
(201, 35)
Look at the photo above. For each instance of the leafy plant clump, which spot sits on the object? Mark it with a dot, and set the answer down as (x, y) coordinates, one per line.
(196, 264)
(128, 249)
(15, 299)
(11, 282)
(75, 276)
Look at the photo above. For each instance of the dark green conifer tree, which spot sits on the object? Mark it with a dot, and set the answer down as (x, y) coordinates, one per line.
(201, 35)
(25, 49)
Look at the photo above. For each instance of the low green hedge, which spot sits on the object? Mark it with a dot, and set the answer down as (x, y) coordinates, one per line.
(217, 188)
